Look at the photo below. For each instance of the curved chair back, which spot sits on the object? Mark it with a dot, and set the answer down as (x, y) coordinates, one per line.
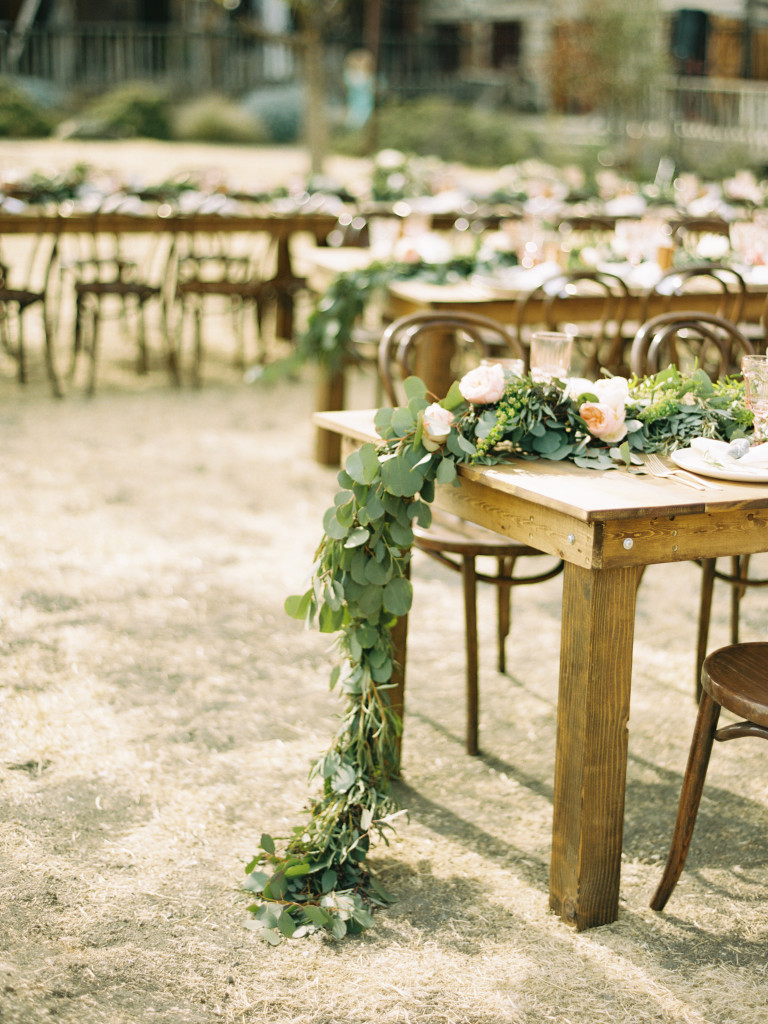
(435, 345)
(686, 339)
(594, 300)
(722, 278)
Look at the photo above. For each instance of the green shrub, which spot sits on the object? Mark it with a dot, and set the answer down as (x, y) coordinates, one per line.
(217, 119)
(451, 131)
(133, 109)
(20, 115)
(280, 108)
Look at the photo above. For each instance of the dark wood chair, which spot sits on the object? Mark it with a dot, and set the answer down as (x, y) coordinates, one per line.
(25, 285)
(452, 541)
(734, 678)
(209, 268)
(599, 341)
(687, 231)
(726, 281)
(686, 339)
(106, 275)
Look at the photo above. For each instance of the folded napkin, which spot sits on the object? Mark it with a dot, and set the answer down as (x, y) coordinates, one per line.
(724, 453)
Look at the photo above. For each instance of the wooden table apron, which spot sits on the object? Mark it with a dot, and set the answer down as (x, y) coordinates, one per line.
(605, 526)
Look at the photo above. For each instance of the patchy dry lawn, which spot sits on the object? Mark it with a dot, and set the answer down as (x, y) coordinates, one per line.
(158, 711)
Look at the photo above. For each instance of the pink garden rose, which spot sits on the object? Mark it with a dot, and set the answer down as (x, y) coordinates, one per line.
(436, 426)
(605, 418)
(483, 385)
(603, 421)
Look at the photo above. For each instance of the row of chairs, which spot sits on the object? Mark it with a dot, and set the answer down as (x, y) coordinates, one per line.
(735, 678)
(105, 276)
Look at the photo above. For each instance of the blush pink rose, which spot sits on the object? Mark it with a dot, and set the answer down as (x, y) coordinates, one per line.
(604, 421)
(436, 426)
(483, 385)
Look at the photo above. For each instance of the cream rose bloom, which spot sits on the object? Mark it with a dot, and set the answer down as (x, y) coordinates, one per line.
(483, 385)
(603, 421)
(436, 426)
(606, 417)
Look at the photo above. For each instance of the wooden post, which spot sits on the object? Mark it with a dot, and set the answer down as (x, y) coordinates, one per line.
(591, 754)
(329, 396)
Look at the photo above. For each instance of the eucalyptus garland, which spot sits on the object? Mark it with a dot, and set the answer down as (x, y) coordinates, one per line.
(328, 337)
(319, 879)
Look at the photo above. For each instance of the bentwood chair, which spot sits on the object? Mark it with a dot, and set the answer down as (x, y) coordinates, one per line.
(598, 337)
(209, 268)
(734, 678)
(726, 281)
(454, 542)
(689, 339)
(106, 276)
(25, 284)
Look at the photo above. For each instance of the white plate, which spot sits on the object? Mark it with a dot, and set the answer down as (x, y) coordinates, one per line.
(687, 458)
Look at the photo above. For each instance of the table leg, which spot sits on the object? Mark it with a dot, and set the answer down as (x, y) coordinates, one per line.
(591, 757)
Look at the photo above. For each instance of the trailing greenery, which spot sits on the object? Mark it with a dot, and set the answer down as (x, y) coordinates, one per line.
(328, 337)
(319, 879)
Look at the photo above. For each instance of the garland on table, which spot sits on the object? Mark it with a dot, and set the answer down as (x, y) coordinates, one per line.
(320, 879)
(329, 332)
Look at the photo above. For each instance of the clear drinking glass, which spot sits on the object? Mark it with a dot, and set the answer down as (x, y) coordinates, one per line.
(754, 370)
(550, 354)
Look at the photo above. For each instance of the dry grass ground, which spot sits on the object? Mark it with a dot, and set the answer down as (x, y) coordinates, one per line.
(158, 711)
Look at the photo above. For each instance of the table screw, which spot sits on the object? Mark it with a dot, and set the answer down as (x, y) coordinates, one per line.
(627, 543)
(571, 539)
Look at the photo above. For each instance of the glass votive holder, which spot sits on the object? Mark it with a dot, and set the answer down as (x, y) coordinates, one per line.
(550, 355)
(754, 370)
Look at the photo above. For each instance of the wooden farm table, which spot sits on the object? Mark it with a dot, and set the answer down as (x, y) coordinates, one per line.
(606, 526)
(282, 226)
(405, 297)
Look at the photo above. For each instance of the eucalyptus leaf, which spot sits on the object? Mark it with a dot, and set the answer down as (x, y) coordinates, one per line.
(398, 596)
(256, 881)
(413, 387)
(297, 605)
(357, 537)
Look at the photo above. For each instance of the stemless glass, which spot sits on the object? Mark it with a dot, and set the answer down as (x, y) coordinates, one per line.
(754, 370)
(550, 354)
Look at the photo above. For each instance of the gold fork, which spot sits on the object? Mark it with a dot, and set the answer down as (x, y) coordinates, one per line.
(656, 467)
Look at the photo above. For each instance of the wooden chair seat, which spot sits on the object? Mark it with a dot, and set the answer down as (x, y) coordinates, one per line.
(734, 678)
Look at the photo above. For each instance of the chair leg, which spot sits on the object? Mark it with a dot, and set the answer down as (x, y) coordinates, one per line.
(504, 604)
(470, 625)
(142, 360)
(197, 366)
(50, 357)
(21, 351)
(95, 319)
(690, 797)
(705, 614)
(739, 569)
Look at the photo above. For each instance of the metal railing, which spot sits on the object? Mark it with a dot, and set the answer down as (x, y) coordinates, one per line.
(727, 110)
(92, 57)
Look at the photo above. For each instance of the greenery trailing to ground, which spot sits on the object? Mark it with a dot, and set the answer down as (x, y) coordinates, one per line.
(319, 878)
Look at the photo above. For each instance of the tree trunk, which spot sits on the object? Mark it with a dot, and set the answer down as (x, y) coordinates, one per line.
(316, 130)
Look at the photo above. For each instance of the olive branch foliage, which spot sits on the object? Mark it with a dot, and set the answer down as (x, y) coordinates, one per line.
(320, 879)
